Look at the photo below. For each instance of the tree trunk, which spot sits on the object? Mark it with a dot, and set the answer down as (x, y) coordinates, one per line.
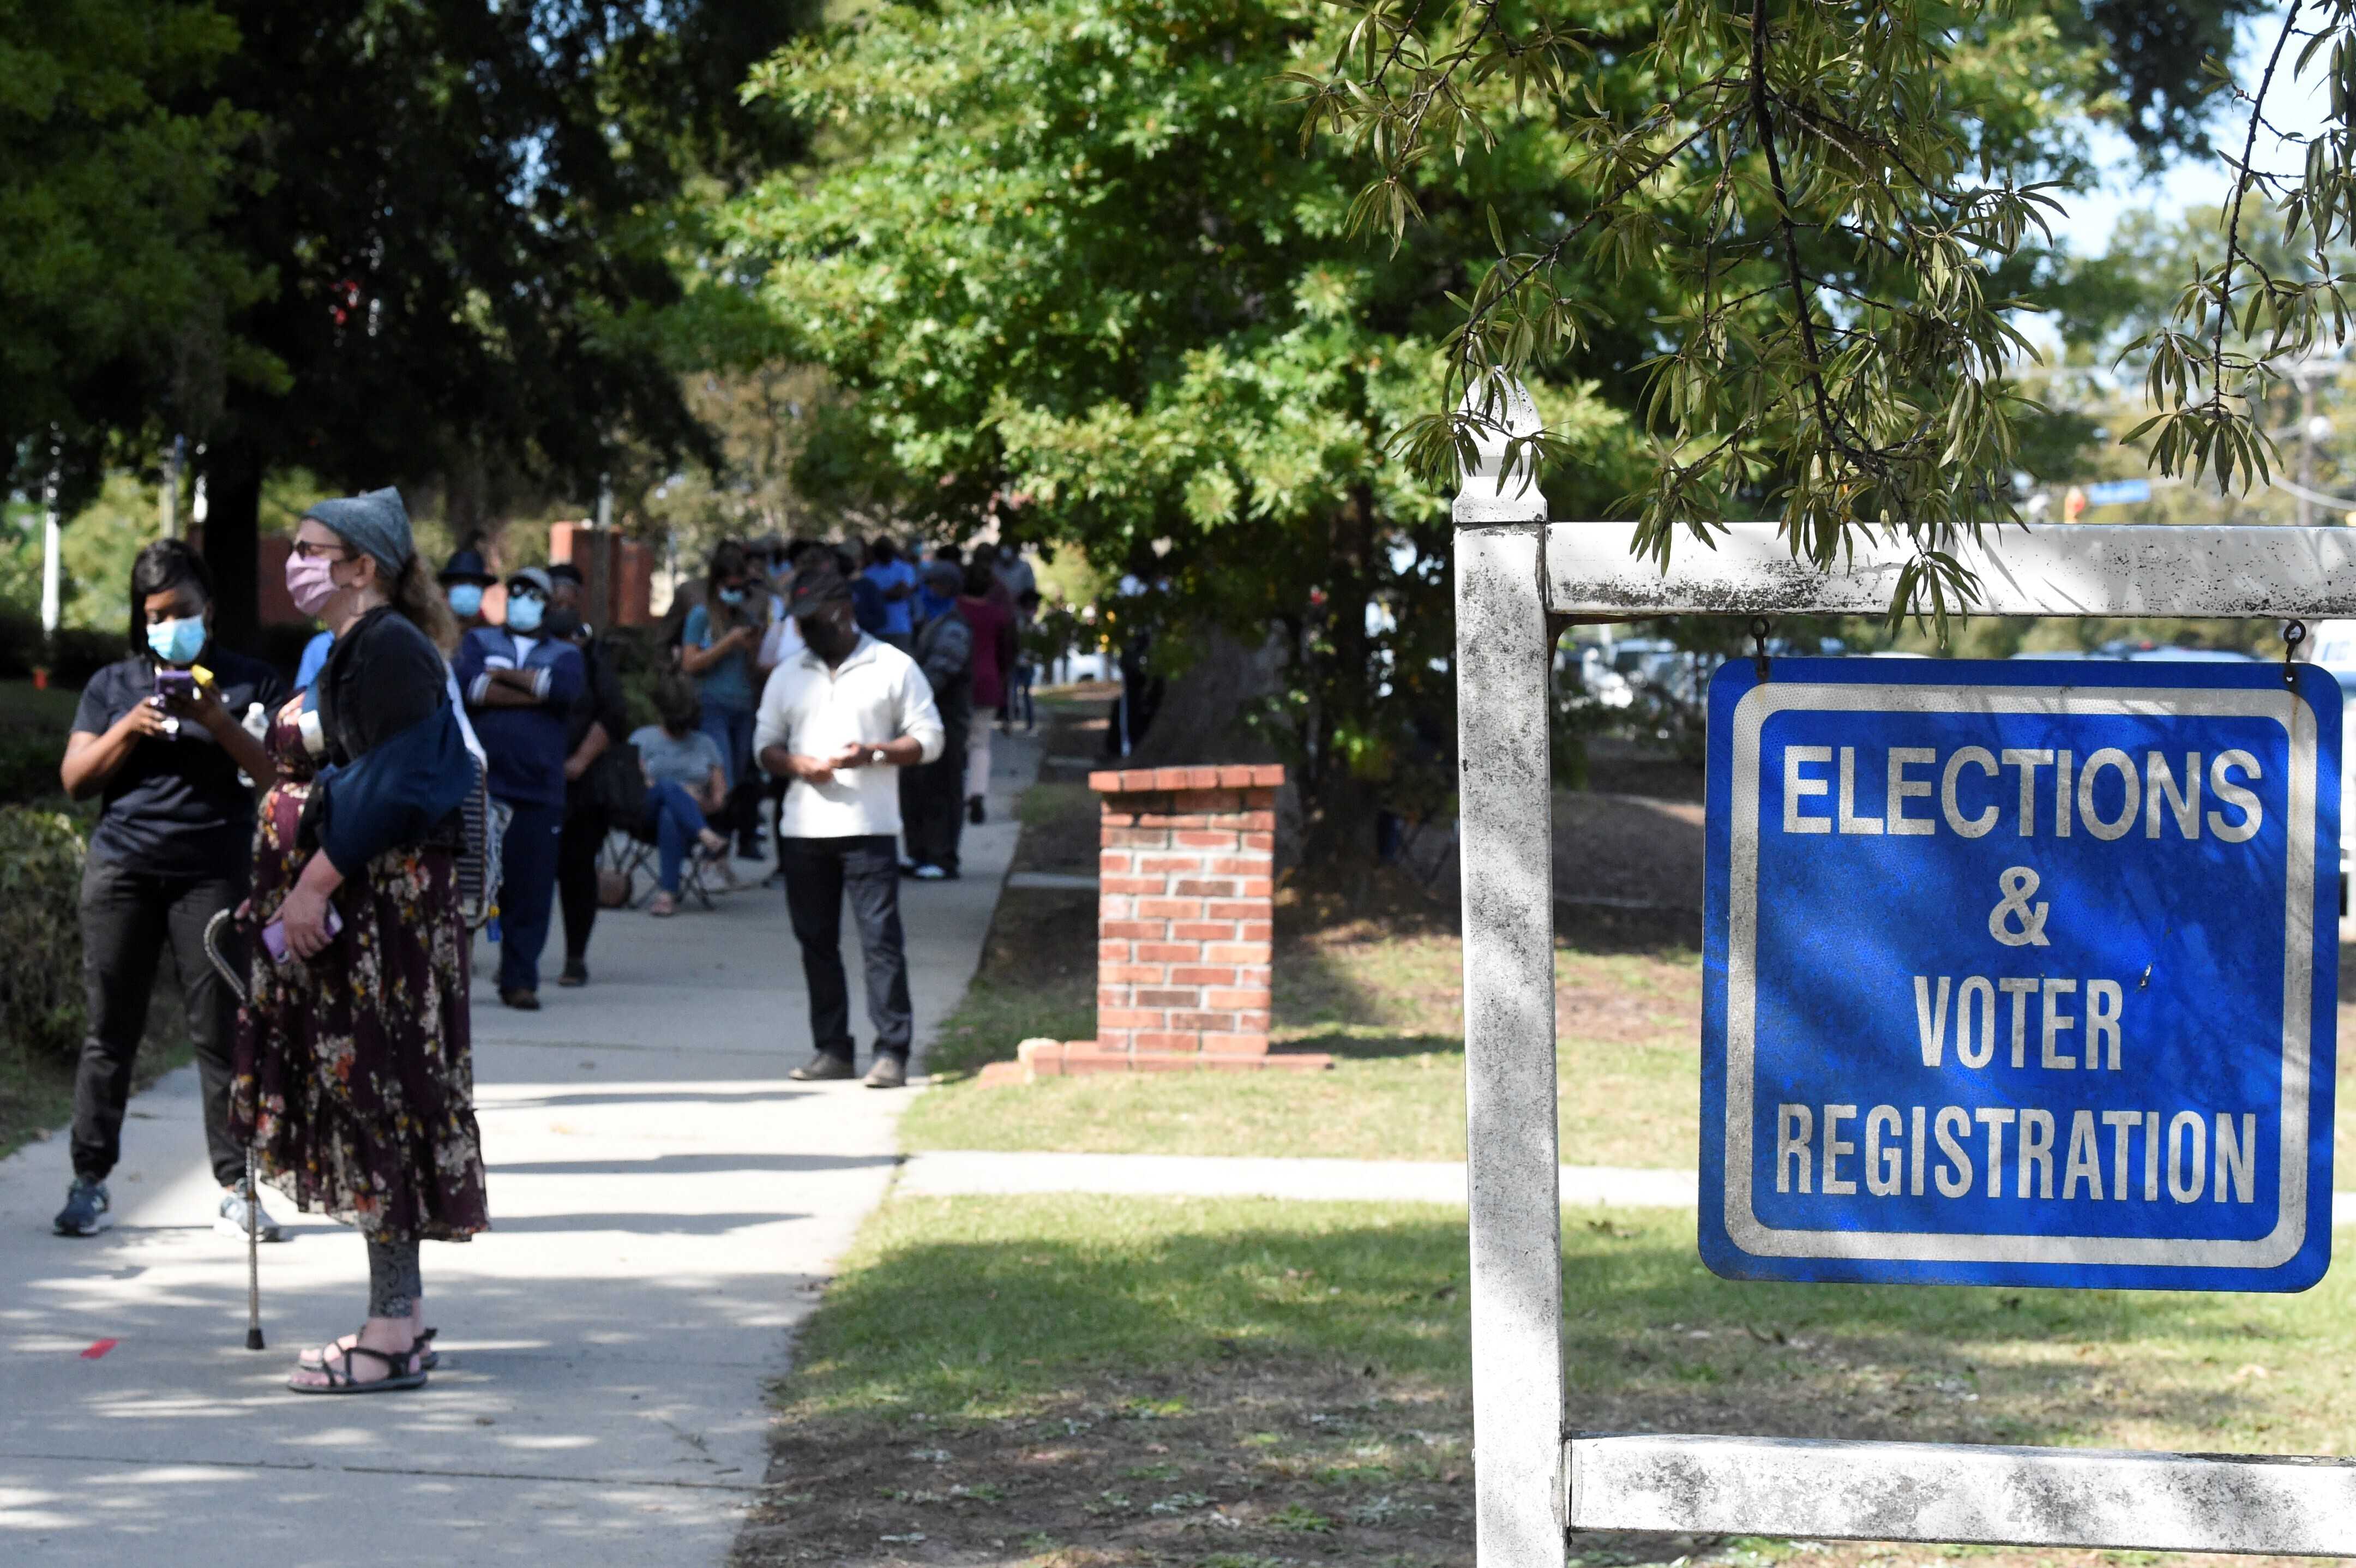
(1341, 811)
(1199, 719)
(233, 542)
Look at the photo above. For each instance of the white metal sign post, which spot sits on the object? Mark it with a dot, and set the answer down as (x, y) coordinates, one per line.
(1536, 1476)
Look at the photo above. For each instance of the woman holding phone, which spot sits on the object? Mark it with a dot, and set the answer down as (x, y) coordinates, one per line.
(355, 1071)
(720, 646)
(165, 750)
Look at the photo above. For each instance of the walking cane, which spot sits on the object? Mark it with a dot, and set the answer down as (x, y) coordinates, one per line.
(252, 1240)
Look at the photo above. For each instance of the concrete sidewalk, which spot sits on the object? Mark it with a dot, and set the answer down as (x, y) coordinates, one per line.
(664, 1203)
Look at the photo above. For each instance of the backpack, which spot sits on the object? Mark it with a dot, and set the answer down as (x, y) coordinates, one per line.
(485, 826)
(618, 784)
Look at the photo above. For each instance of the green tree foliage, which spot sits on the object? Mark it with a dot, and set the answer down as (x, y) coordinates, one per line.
(468, 210)
(1066, 250)
(1837, 199)
(2152, 56)
(2274, 290)
(761, 420)
(1077, 249)
(115, 160)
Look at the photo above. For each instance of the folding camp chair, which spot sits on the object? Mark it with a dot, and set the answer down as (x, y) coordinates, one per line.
(631, 854)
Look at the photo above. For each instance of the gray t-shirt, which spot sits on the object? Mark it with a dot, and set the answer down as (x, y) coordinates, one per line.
(687, 760)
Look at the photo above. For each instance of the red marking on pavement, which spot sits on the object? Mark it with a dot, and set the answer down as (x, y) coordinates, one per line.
(98, 1348)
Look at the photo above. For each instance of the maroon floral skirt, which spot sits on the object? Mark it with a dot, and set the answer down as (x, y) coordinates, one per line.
(353, 1071)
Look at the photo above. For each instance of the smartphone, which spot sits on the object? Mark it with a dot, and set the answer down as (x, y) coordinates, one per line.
(180, 683)
(273, 935)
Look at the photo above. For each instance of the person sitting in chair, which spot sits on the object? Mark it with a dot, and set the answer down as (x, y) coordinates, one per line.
(685, 779)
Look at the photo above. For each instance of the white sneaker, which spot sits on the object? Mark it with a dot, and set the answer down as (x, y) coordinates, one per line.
(231, 1219)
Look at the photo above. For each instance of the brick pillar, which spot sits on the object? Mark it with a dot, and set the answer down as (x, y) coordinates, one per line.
(1183, 915)
(1184, 928)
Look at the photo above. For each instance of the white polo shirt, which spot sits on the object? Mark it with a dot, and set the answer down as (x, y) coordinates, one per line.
(876, 694)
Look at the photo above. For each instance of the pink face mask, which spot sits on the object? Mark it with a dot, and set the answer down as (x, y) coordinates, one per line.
(310, 582)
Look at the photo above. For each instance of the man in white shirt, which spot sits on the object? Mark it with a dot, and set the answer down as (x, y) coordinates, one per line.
(836, 720)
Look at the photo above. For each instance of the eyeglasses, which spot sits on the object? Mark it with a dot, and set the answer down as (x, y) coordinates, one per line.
(304, 550)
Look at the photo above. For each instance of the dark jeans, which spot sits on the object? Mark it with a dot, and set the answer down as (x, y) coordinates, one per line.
(127, 917)
(932, 808)
(576, 873)
(819, 872)
(674, 822)
(526, 892)
(1019, 706)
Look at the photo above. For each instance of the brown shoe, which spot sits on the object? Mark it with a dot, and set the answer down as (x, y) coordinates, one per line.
(822, 1069)
(521, 1001)
(889, 1072)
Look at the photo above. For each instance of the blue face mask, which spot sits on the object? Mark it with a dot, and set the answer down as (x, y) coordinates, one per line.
(466, 598)
(176, 641)
(524, 612)
(731, 595)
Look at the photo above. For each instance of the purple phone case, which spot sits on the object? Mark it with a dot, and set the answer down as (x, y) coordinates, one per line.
(273, 935)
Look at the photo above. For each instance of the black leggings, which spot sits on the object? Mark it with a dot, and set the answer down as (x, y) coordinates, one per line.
(394, 1285)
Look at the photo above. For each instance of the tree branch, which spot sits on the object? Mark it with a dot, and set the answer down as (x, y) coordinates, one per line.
(1804, 303)
(1553, 253)
(2234, 215)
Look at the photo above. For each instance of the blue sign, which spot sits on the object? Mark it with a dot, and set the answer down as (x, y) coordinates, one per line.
(2118, 492)
(2020, 973)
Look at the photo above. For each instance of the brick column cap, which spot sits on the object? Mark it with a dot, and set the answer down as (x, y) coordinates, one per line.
(1133, 780)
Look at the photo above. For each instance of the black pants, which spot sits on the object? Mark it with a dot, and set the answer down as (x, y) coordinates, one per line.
(932, 808)
(576, 872)
(127, 918)
(819, 872)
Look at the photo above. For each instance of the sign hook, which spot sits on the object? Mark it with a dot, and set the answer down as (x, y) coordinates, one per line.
(1759, 627)
(2294, 633)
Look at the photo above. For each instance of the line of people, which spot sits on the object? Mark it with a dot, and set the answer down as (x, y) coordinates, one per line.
(327, 818)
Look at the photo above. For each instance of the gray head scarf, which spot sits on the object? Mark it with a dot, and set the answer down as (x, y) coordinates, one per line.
(376, 523)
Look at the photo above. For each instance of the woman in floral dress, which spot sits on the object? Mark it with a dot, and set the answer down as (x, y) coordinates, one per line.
(355, 1082)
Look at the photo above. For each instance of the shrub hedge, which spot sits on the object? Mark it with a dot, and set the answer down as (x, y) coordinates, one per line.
(40, 933)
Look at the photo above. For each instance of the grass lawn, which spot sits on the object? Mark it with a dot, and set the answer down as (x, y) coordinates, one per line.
(49, 711)
(1387, 1007)
(1231, 1384)
(36, 1093)
(37, 1096)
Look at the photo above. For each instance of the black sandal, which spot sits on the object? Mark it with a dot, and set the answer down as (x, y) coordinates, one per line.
(341, 1381)
(428, 1357)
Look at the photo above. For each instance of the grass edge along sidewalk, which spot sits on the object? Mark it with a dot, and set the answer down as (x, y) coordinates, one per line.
(1069, 1380)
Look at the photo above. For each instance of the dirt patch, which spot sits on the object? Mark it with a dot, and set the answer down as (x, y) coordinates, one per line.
(1627, 849)
(1266, 1465)
(1255, 1466)
(1616, 1017)
(1628, 876)
(1618, 767)
(1061, 830)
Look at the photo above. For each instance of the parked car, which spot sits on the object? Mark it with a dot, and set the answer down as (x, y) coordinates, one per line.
(1590, 664)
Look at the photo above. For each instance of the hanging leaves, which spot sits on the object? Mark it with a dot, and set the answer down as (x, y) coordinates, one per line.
(1814, 183)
